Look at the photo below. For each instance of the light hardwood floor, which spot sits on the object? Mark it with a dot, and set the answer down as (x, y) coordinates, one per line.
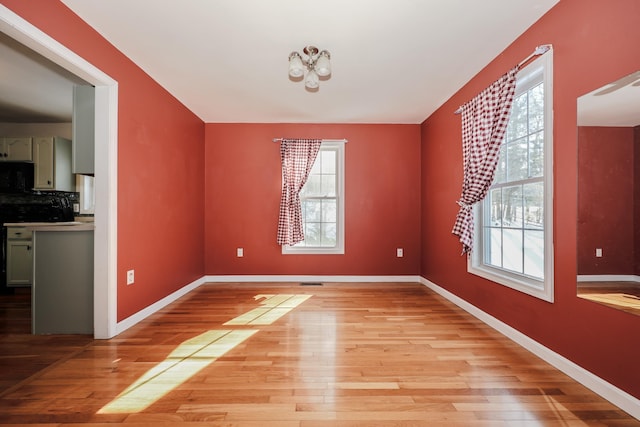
(620, 295)
(285, 355)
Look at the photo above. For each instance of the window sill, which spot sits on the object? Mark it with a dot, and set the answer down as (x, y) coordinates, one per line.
(531, 287)
(289, 250)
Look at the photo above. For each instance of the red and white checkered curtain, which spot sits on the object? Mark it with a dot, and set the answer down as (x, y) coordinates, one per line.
(484, 124)
(297, 157)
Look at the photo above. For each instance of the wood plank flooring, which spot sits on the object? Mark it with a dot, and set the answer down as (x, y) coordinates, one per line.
(623, 296)
(285, 355)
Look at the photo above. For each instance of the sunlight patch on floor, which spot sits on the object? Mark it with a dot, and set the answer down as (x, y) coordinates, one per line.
(197, 353)
(619, 299)
(185, 361)
(273, 308)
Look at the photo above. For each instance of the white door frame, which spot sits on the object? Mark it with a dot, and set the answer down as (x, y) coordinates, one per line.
(106, 162)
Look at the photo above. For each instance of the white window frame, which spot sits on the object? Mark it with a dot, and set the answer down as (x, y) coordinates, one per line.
(339, 147)
(85, 186)
(542, 289)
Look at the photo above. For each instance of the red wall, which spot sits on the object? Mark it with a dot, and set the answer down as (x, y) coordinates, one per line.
(594, 42)
(160, 166)
(382, 207)
(605, 200)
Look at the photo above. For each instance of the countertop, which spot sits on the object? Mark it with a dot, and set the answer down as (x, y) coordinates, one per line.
(54, 226)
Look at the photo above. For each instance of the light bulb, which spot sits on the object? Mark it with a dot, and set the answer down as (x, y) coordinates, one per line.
(312, 81)
(323, 65)
(296, 69)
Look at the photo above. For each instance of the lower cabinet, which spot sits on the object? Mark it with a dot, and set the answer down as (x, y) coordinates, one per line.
(62, 292)
(19, 257)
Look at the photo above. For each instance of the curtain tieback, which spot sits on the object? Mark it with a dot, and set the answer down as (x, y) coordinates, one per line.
(464, 205)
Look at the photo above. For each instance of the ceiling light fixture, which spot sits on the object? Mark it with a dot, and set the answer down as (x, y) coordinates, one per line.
(316, 65)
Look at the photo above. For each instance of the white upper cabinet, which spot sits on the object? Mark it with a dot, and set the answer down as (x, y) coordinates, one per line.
(52, 158)
(15, 149)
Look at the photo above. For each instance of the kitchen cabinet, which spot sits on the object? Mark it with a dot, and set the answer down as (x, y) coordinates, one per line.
(16, 149)
(62, 293)
(19, 256)
(83, 129)
(52, 159)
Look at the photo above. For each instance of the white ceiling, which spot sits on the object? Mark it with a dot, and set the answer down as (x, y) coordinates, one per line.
(32, 88)
(615, 104)
(393, 61)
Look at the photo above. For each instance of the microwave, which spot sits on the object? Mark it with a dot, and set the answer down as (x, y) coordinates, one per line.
(16, 177)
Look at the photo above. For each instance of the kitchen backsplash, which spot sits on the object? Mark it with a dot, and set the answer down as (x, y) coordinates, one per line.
(72, 196)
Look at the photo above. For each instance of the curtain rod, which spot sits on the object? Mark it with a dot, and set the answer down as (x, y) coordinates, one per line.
(323, 140)
(543, 48)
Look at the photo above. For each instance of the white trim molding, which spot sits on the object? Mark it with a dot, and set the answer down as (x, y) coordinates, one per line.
(302, 278)
(608, 391)
(608, 278)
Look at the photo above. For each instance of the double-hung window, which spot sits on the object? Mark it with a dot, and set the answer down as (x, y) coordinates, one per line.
(513, 244)
(322, 199)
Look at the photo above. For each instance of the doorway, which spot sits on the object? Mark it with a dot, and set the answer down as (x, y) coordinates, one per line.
(106, 112)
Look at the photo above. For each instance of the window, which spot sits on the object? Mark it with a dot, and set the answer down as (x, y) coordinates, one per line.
(513, 243)
(86, 189)
(322, 199)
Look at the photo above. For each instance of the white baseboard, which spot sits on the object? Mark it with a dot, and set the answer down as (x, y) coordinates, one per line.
(294, 278)
(613, 394)
(148, 311)
(608, 278)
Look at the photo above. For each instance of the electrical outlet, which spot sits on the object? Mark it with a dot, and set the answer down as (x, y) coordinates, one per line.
(399, 253)
(130, 277)
(598, 252)
(240, 252)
